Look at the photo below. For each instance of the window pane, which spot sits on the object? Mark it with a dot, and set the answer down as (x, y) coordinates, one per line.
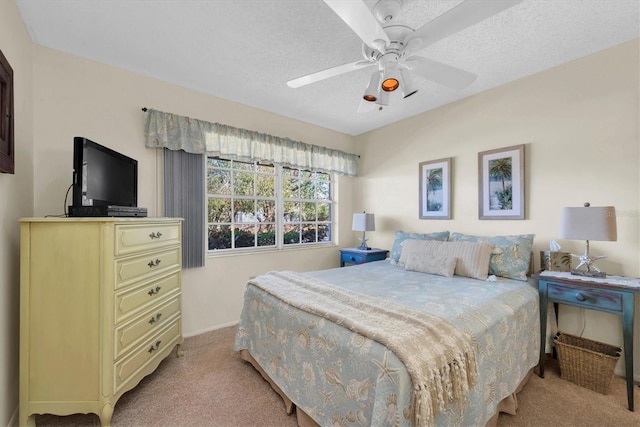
(266, 210)
(308, 211)
(291, 212)
(309, 233)
(290, 188)
(219, 163)
(290, 172)
(323, 190)
(266, 235)
(244, 211)
(291, 234)
(306, 174)
(243, 166)
(307, 190)
(218, 182)
(219, 237)
(219, 210)
(324, 211)
(245, 236)
(324, 233)
(266, 169)
(243, 183)
(265, 185)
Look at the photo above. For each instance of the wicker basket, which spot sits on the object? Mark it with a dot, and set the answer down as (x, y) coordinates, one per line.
(585, 362)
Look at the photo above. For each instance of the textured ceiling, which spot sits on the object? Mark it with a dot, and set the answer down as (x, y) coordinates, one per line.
(246, 51)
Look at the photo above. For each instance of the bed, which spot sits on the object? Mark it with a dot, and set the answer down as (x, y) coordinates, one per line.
(334, 374)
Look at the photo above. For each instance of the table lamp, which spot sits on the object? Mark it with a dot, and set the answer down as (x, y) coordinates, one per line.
(363, 222)
(588, 223)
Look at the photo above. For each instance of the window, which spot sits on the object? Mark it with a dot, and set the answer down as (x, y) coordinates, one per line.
(253, 205)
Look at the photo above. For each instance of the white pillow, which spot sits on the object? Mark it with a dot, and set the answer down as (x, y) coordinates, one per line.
(472, 257)
(431, 264)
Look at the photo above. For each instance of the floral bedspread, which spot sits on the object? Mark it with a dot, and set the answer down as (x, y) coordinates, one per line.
(340, 378)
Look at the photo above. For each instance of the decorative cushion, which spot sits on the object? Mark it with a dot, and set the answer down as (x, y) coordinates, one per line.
(511, 256)
(472, 258)
(401, 236)
(431, 264)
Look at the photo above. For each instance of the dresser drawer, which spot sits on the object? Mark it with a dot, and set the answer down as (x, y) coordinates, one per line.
(132, 301)
(129, 334)
(132, 238)
(129, 270)
(132, 367)
(578, 296)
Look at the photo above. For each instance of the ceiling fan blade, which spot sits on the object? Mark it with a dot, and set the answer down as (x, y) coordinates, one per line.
(330, 72)
(440, 73)
(359, 17)
(457, 19)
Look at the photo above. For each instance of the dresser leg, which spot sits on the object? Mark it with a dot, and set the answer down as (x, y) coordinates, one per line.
(106, 415)
(29, 421)
(179, 350)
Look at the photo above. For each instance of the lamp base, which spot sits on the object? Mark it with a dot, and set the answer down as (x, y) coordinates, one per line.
(589, 273)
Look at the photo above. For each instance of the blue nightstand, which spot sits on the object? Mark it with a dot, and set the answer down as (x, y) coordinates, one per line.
(613, 294)
(360, 256)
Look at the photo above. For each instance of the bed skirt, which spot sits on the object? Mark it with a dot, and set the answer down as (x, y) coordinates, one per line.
(508, 405)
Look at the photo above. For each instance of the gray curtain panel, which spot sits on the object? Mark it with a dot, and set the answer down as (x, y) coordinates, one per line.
(184, 198)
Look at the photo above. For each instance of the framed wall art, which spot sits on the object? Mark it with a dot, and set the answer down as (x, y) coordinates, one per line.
(7, 156)
(501, 183)
(435, 189)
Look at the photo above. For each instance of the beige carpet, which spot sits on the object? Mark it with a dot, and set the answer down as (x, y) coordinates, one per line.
(212, 386)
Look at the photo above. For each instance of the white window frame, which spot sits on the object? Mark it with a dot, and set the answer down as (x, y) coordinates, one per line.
(279, 220)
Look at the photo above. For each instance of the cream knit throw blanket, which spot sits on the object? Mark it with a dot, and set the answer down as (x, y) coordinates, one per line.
(438, 356)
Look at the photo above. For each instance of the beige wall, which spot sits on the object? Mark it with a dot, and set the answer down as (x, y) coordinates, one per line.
(580, 124)
(77, 97)
(16, 200)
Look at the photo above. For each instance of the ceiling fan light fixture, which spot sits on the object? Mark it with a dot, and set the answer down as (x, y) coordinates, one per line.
(383, 99)
(371, 92)
(391, 77)
(409, 85)
(390, 84)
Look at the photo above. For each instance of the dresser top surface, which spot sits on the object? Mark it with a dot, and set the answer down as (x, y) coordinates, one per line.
(101, 219)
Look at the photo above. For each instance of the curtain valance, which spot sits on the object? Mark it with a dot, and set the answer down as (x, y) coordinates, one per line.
(166, 130)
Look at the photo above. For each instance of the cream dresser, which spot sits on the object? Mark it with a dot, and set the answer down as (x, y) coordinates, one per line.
(100, 307)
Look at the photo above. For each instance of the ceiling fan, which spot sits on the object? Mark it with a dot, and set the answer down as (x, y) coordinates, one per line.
(389, 44)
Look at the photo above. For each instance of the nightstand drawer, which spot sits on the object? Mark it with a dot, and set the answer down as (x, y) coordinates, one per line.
(352, 258)
(361, 256)
(589, 298)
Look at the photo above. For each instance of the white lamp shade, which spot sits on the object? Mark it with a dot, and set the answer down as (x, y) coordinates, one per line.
(589, 223)
(363, 222)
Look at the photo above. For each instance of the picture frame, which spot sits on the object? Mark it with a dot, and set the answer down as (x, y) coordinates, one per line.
(7, 149)
(501, 183)
(435, 189)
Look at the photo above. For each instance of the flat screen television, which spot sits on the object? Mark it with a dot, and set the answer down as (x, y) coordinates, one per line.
(102, 177)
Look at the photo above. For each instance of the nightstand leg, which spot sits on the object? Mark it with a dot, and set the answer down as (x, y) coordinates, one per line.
(627, 333)
(542, 292)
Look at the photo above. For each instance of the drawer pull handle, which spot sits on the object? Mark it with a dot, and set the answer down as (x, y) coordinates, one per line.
(154, 348)
(155, 291)
(154, 264)
(155, 235)
(155, 319)
(581, 297)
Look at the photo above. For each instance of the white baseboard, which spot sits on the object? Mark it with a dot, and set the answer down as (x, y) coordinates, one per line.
(213, 328)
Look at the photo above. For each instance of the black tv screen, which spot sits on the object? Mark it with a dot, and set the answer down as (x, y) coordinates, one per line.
(102, 176)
